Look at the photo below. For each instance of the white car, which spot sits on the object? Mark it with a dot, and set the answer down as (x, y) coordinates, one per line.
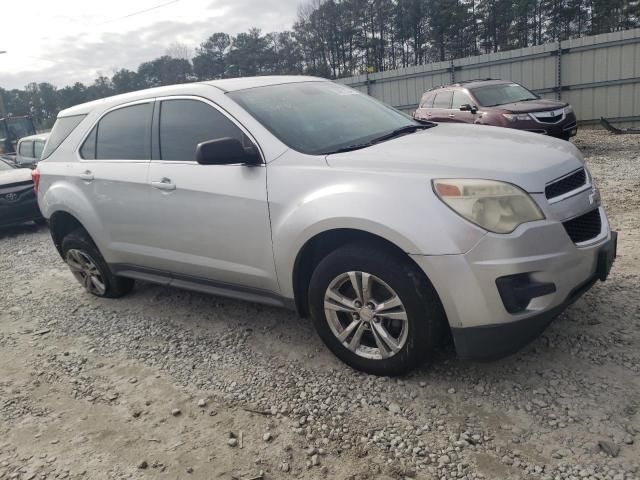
(30, 150)
(298, 192)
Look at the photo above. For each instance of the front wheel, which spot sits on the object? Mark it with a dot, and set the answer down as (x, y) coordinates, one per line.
(375, 309)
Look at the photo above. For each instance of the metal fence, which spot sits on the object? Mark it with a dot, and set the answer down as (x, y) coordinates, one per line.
(598, 75)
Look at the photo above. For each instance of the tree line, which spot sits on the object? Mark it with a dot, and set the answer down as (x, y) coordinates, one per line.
(338, 38)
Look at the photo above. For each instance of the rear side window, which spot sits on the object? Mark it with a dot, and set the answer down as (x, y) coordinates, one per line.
(442, 100)
(26, 149)
(186, 123)
(38, 147)
(122, 134)
(125, 134)
(61, 130)
(427, 101)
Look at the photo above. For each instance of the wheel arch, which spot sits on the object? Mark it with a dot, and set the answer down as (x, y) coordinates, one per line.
(323, 243)
(62, 223)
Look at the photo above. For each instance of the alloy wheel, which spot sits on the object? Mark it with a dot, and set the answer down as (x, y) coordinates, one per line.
(366, 315)
(86, 271)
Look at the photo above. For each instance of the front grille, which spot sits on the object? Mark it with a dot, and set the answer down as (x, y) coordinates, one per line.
(566, 184)
(554, 119)
(553, 116)
(584, 227)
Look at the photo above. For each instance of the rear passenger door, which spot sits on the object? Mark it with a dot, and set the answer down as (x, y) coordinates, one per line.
(441, 106)
(212, 220)
(113, 174)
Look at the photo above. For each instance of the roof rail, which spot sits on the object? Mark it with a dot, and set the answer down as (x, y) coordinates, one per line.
(461, 82)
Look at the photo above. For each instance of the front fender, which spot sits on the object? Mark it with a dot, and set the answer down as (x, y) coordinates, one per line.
(399, 208)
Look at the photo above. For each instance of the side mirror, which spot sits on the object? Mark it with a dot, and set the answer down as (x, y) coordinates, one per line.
(225, 151)
(468, 108)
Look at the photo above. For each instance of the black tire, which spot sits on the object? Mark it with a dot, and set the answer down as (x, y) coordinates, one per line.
(565, 136)
(424, 312)
(114, 286)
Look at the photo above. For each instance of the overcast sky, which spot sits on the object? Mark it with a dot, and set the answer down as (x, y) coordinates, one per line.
(65, 41)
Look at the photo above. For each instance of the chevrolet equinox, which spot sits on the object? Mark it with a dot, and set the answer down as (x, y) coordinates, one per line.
(299, 192)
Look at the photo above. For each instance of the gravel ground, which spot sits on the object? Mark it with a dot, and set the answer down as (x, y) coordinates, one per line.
(171, 384)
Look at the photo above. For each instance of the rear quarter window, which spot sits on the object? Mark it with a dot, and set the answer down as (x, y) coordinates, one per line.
(61, 130)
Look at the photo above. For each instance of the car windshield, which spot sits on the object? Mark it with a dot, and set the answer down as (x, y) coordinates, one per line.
(493, 95)
(320, 117)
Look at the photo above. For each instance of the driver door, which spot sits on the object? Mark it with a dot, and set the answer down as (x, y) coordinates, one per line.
(211, 221)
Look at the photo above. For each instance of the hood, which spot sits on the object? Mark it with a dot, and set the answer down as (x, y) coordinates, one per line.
(529, 160)
(17, 175)
(541, 105)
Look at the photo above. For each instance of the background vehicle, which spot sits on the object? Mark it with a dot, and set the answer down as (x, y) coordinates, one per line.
(386, 231)
(18, 202)
(13, 129)
(499, 103)
(30, 150)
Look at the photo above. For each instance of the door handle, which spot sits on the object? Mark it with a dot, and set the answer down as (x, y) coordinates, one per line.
(452, 115)
(164, 184)
(87, 176)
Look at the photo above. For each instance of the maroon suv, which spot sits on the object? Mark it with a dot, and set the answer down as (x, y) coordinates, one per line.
(499, 103)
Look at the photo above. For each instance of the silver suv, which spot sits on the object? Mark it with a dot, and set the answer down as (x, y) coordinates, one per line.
(298, 192)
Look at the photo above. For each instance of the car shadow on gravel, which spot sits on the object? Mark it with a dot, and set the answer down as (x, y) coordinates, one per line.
(22, 229)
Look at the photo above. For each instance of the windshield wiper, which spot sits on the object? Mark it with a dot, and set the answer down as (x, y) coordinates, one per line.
(387, 136)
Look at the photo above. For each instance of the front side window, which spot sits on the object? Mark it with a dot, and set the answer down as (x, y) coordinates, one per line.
(123, 134)
(320, 117)
(26, 149)
(61, 130)
(460, 98)
(442, 100)
(186, 123)
(502, 94)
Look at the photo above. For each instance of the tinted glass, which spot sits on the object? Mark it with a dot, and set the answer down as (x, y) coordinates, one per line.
(319, 117)
(461, 98)
(61, 130)
(124, 134)
(493, 95)
(26, 149)
(443, 100)
(88, 150)
(38, 147)
(186, 123)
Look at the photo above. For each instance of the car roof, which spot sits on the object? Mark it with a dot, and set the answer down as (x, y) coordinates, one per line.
(481, 82)
(224, 85)
(39, 136)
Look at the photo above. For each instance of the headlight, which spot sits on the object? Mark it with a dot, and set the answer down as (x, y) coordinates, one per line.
(568, 109)
(512, 117)
(495, 206)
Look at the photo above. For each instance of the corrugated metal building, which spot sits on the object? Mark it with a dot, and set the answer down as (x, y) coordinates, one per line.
(598, 75)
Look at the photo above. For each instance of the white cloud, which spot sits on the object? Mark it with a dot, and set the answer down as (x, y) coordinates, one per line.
(68, 41)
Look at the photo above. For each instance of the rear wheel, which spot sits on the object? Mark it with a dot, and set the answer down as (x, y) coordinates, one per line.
(375, 310)
(90, 269)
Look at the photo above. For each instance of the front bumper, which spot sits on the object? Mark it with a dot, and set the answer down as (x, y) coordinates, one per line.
(481, 323)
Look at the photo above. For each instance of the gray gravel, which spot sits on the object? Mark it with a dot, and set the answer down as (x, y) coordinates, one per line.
(566, 407)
